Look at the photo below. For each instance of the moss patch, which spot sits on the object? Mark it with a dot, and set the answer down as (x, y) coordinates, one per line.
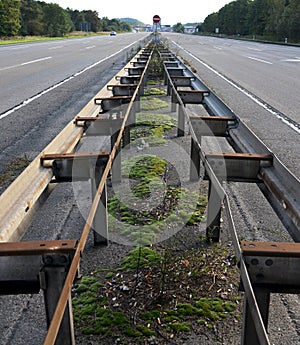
(158, 292)
(12, 170)
(153, 103)
(155, 204)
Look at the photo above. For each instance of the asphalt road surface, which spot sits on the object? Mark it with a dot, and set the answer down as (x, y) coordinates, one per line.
(29, 69)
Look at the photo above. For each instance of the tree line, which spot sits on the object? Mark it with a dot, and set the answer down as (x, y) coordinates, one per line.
(274, 19)
(30, 17)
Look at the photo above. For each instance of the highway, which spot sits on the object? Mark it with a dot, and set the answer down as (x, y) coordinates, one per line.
(44, 85)
(28, 69)
(259, 82)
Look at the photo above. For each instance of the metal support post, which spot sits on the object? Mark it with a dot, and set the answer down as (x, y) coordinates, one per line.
(249, 334)
(52, 277)
(126, 137)
(116, 166)
(137, 101)
(173, 101)
(100, 224)
(213, 214)
(181, 121)
(194, 161)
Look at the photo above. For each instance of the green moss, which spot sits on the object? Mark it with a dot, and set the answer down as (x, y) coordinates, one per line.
(140, 257)
(156, 120)
(131, 332)
(109, 275)
(145, 330)
(151, 315)
(13, 169)
(154, 91)
(181, 326)
(152, 103)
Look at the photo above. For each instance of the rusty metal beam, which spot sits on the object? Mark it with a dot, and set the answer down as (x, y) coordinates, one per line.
(274, 249)
(63, 299)
(37, 247)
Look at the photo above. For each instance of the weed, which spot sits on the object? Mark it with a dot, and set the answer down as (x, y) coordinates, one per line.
(12, 170)
(152, 103)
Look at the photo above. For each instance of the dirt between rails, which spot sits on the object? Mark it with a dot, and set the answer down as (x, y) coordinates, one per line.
(181, 290)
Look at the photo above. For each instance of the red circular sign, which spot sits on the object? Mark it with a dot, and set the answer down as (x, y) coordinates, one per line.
(156, 19)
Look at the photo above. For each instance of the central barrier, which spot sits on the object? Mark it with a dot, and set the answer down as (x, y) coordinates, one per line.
(110, 116)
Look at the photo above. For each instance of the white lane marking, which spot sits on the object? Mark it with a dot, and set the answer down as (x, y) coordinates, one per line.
(29, 100)
(56, 47)
(292, 60)
(25, 63)
(218, 47)
(90, 47)
(253, 98)
(256, 49)
(34, 61)
(259, 60)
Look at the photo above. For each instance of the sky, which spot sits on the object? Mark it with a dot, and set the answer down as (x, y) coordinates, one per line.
(170, 12)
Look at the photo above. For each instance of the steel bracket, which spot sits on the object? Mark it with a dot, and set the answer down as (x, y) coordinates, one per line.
(70, 167)
(191, 96)
(273, 267)
(217, 126)
(134, 70)
(182, 81)
(122, 89)
(88, 166)
(128, 79)
(140, 64)
(109, 103)
(239, 167)
(27, 267)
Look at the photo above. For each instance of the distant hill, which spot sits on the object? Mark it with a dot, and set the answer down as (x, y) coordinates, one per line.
(131, 21)
(192, 24)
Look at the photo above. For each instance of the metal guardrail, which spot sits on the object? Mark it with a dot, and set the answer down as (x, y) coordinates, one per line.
(19, 201)
(275, 181)
(280, 187)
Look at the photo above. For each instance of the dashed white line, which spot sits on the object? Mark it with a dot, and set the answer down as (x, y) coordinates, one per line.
(259, 60)
(56, 47)
(25, 63)
(248, 94)
(90, 47)
(29, 100)
(256, 49)
(292, 60)
(37, 60)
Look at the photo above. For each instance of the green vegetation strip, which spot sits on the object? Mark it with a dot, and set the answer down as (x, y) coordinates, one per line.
(12, 170)
(143, 225)
(125, 305)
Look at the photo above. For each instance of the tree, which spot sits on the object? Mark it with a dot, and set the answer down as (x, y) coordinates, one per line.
(258, 14)
(56, 20)
(290, 21)
(92, 17)
(210, 23)
(31, 18)
(274, 17)
(178, 28)
(10, 17)
(124, 26)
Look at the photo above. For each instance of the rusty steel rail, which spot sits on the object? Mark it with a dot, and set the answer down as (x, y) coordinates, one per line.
(62, 302)
(19, 202)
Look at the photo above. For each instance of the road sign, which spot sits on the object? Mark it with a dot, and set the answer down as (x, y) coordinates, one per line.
(156, 19)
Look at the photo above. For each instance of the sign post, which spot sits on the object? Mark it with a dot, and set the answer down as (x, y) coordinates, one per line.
(156, 23)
